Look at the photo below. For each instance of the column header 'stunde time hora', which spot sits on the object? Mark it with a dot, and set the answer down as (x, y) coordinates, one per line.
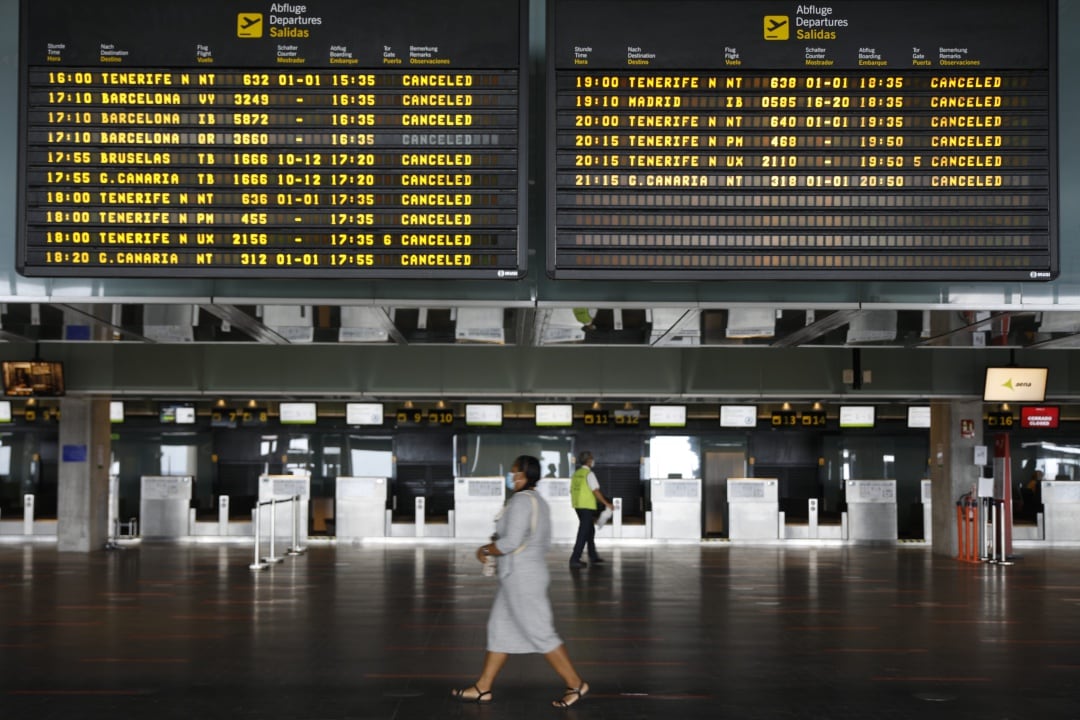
(383, 138)
(890, 139)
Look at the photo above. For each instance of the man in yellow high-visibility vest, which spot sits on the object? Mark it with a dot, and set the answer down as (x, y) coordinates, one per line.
(584, 495)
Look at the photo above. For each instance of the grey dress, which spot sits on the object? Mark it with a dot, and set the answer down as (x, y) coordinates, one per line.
(521, 620)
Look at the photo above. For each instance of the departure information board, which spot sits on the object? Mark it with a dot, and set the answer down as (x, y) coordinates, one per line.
(326, 139)
(733, 139)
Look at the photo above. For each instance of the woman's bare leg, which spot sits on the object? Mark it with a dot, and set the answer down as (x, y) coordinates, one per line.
(560, 661)
(576, 688)
(493, 663)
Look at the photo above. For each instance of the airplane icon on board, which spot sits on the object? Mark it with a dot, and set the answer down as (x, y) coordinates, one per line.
(777, 27)
(249, 25)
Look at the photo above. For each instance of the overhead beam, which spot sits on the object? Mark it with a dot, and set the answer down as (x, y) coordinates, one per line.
(389, 372)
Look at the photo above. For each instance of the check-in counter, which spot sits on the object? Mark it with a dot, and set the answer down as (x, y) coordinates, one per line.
(753, 508)
(283, 487)
(564, 521)
(871, 510)
(164, 501)
(477, 500)
(1061, 510)
(360, 510)
(676, 509)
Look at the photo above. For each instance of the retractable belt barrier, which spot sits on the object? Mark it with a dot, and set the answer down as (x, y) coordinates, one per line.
(262, 563)
(980, 529)
(995, 542)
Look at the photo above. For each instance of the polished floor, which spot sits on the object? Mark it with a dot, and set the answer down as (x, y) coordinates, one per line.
(684, 632)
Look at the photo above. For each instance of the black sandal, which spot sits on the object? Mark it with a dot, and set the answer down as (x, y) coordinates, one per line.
(578, 692)
(481, 698)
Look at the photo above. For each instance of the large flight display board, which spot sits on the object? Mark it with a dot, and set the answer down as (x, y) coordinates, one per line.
(329, 139)
(734, 139)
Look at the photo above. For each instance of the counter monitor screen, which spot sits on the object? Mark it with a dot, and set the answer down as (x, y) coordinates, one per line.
(918, 416)
(363, 413)
(554, 415)
(382, 139)
(179, 414)
(671, 416)
(856, 416)
(850, 140)
(483, 415)
(298, 413)
(738, 416)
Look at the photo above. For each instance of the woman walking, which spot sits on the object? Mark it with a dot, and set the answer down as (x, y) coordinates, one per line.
(521, 619)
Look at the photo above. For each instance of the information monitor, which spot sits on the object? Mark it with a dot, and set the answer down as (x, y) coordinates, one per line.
(335, 139)
(893, 139)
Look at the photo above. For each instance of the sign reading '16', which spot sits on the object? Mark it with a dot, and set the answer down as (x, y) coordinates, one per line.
(259, 139)
(842, 140)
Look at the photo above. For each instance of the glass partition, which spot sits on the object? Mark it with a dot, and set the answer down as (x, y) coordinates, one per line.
(1034, 461)
(876, 456)
(1057, 460)
(28, 465)
(370, 456)
(484, 454)
(672, 456)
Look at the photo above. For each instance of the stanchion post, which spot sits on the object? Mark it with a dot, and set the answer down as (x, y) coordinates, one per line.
(257, 564)
(223, 515)
(999, 540)
(999, 522)
(272, 558)
(28, 514)
(1004, 558)
(976, 532)
(295, 548)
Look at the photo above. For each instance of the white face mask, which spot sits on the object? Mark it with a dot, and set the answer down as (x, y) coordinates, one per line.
(510, 480)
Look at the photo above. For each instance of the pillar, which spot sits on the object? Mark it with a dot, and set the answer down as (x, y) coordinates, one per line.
(83, 492)
(956, 427)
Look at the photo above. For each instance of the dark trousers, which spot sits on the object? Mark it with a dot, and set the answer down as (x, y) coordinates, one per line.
(586, 532)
